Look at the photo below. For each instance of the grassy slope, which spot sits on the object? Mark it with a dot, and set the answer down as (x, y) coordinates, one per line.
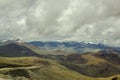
(91, 65)
(38, 69)
(92, 59)
(32, 68)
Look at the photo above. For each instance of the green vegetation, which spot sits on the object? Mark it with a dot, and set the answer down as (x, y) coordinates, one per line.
(88, 66)
(37, 69)
(33, 68)
(92, 64)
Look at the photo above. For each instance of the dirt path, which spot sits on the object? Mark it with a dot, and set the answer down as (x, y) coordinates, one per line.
(7, 69)
(31, 67)
(3, 79)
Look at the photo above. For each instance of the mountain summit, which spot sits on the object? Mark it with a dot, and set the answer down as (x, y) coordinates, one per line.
(15, 50)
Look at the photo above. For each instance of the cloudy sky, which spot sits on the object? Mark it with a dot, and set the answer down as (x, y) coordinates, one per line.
(61, 20)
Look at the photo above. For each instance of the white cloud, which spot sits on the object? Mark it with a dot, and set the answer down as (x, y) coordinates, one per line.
(78, 20)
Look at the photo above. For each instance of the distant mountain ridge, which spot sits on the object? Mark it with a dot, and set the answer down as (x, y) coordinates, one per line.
(79, 46)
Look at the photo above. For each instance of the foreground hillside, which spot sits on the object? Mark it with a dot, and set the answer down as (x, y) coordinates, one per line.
(32, 68)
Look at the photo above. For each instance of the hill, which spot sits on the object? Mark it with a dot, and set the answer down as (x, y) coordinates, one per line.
(15, 50)
(33, 68)
(98, 64)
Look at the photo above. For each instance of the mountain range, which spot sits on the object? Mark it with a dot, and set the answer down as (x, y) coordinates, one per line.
(76, 46)
(33, 61)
